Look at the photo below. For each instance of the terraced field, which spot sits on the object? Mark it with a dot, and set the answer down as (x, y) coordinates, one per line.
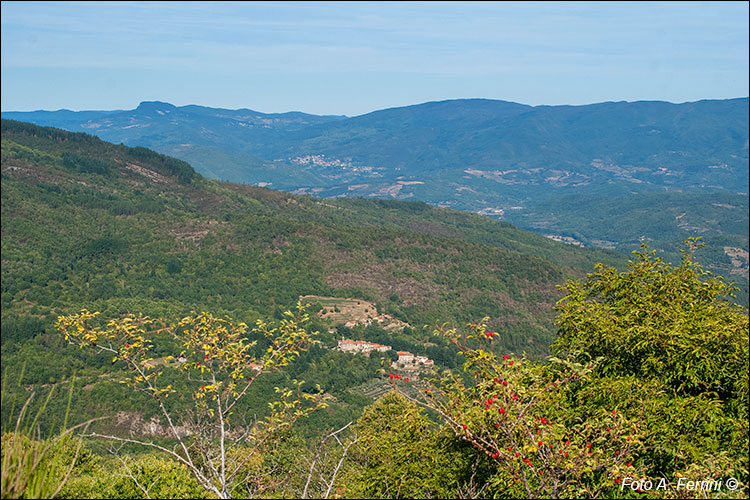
(341, 311)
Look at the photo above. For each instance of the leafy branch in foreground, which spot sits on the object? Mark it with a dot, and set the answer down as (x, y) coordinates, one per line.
(217, 446)
(650, 384)
(510, 412)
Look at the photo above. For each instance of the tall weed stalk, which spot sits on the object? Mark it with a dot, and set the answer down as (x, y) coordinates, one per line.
(34, 466)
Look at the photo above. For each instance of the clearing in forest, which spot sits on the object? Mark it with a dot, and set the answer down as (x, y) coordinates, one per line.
(350, 312)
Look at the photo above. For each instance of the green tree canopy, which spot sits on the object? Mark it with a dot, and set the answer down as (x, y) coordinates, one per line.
(675, 324)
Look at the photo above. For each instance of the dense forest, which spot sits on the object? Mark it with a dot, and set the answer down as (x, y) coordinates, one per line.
(89, 225)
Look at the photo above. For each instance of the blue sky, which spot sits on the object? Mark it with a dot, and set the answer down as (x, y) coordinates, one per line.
(353, 58)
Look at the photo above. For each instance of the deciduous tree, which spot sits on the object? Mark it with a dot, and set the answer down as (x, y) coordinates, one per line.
(217, 446)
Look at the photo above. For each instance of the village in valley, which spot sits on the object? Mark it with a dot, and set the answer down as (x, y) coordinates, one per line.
(353, 312)
(405, 361)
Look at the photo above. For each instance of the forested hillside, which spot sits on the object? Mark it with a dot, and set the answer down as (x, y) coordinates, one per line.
(663, 219)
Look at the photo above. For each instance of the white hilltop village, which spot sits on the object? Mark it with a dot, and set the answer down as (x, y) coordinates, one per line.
(406, 360)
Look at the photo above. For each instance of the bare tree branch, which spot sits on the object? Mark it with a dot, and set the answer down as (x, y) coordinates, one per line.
(130, 474)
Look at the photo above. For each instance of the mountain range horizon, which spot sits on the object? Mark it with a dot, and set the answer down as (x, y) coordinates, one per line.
(148, 102)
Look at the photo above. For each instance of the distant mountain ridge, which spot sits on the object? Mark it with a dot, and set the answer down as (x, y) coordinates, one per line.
(107, 121)
(645, 145)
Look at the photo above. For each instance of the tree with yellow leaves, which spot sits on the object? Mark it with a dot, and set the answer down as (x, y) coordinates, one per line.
(221, 450)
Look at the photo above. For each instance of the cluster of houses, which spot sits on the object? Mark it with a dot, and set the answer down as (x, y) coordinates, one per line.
(348, 345)
(367, 322)
(410, 361)
(320, 161)
(406, 360)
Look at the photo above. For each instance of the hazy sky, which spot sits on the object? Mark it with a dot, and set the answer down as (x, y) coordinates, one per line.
(353, 58)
